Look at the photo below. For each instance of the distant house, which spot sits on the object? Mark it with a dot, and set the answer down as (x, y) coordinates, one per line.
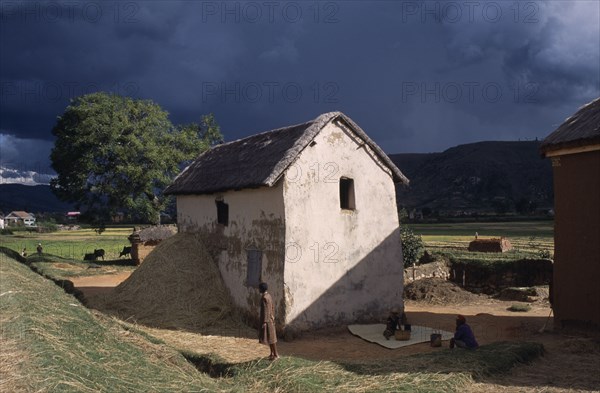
(574, 149)
(73, 216)
(20, 217)
(311, 210)
(144, 240)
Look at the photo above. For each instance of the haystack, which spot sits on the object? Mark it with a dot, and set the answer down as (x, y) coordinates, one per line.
(490, 245)
(178, 286)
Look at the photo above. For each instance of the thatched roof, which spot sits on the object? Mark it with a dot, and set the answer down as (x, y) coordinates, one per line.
(261, 159)
(583, 128)
(153, 233)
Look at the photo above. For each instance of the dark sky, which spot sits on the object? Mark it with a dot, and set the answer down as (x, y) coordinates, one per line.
(417, 76)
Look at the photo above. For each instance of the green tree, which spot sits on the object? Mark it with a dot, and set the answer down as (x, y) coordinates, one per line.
(116, 153)
(412, 245)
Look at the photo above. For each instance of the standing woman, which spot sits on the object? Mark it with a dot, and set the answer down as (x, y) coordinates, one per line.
(267, 334)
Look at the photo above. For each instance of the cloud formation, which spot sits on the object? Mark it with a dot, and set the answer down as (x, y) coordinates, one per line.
(418, 76)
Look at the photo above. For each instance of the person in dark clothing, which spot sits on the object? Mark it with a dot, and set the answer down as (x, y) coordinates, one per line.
(393, 323)
(463, 337)
(267, 333)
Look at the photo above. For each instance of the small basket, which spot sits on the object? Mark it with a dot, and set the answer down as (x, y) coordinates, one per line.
(436, 340)
(402, 335)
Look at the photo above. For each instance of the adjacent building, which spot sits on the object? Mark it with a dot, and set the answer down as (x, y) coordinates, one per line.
(574, 149)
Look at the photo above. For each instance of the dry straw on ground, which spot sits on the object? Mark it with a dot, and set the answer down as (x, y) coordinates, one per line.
(178, 286)
(438, 291)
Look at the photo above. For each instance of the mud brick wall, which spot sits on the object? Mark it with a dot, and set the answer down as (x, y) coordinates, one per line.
(438, 269)
(492, 279)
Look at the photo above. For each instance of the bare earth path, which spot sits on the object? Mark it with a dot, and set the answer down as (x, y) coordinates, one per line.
(567, 366)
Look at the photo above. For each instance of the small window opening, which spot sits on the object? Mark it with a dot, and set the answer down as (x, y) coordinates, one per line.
(347, 194)
(254, 258)
(222, 213)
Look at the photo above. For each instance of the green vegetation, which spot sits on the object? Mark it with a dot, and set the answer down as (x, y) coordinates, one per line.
(116, 154)
(72, 245)
(530, 239)
(53, 343)
(519, 229)
(412, 246)
(519, 307)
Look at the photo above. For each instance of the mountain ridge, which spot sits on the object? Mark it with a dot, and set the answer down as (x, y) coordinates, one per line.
(479, 176)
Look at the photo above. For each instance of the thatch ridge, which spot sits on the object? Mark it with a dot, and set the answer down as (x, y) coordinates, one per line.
(582, 128)
(261, 159)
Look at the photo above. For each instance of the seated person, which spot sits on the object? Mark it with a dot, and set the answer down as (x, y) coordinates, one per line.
(463, 337)
(393, 322)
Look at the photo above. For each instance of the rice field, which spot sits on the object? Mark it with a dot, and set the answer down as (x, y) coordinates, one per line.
(70, 244)
(526, 237)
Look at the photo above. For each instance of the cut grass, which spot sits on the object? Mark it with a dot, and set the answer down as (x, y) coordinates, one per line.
(69, 349)
(65, 347)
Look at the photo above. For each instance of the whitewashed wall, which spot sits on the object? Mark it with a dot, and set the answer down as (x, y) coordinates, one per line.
(256, 221)
(341, 265)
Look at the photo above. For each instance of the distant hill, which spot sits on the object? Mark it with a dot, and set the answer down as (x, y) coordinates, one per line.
(473, 177)
(476, 177)
(32, 199)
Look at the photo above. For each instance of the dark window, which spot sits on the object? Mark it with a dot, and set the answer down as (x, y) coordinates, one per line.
(222, 213)
(347, 194)
(254, 267)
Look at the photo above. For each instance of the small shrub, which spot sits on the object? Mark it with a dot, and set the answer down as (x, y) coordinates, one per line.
(544, 254)
(519, 307)
(412, 245)
(6, 231)
(47, 226)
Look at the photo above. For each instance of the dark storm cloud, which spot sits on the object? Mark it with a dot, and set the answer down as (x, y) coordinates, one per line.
(418, 76)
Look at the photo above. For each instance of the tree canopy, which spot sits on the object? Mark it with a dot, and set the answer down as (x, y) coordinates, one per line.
(116, 154)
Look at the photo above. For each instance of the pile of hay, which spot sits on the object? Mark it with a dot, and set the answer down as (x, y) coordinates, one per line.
(490, 245)
(438, 291)
(178, 286)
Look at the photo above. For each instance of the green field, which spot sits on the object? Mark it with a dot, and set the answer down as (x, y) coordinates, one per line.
(70, 244)
(527, 237)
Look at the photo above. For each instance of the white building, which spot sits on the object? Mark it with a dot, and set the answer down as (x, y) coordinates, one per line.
(311, 210)
(16, 217)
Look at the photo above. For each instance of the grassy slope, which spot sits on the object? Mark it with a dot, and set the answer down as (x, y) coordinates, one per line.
(68, 349)
(64, 347)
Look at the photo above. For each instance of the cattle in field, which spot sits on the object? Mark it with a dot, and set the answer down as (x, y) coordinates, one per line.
(126, 251)
(99, 254)
(89, 257)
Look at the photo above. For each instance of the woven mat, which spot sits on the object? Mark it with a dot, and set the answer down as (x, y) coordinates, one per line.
(374, 334)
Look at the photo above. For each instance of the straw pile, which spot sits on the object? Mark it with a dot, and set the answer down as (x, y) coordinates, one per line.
(178, 286)
(438, 291)
(490, 245)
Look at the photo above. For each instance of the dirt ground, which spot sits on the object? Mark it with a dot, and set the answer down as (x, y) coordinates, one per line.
(489, 318)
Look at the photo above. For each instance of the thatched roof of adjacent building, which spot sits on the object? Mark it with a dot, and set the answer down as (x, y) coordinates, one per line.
(583, 128)
(153, 234)
(261, 159)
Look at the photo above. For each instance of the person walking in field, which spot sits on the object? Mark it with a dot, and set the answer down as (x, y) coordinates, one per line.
(463, 337)
(267, 333)
(39, 249)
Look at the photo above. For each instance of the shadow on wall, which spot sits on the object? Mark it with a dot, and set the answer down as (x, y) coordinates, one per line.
(365, 293)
